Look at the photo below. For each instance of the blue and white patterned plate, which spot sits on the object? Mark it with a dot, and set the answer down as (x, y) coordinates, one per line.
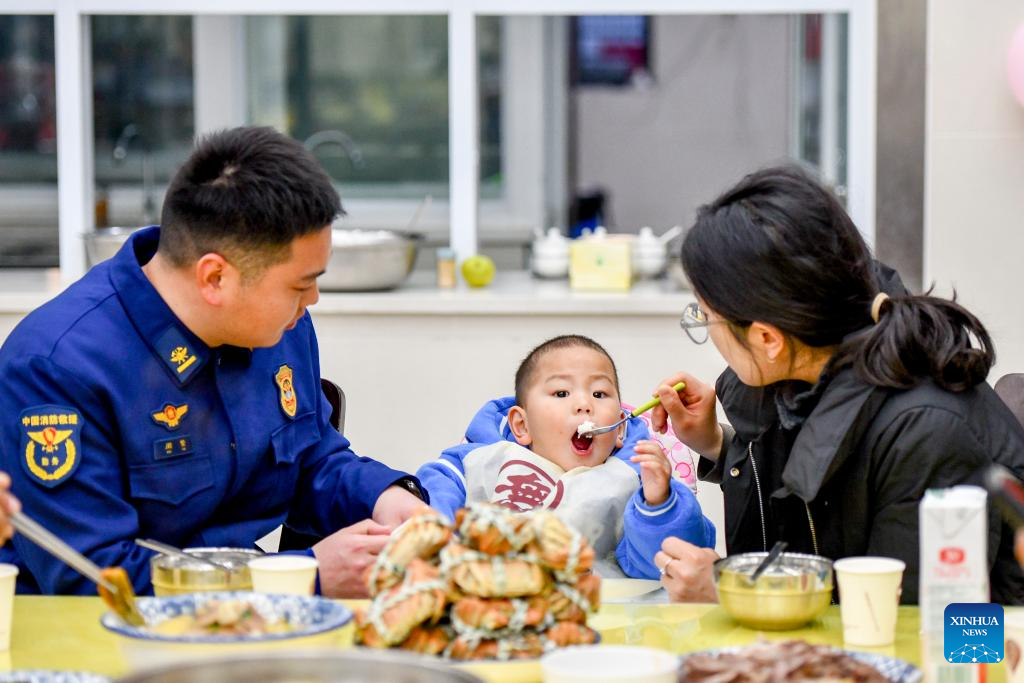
(43, 676)
(896, 670)
(307, 615)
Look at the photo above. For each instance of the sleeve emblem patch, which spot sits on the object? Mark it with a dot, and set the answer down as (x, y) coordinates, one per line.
(50, 443)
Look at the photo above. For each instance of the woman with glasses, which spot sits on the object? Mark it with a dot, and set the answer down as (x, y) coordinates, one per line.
(846, 396)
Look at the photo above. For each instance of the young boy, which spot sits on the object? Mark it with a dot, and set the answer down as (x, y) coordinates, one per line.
(524, 452)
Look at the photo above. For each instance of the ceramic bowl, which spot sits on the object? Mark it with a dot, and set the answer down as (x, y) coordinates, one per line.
(315, 621)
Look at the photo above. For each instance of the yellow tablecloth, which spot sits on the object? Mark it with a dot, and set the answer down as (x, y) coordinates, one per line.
(65, 633)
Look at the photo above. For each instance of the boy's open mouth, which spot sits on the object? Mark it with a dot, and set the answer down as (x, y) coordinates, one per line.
(582, 445)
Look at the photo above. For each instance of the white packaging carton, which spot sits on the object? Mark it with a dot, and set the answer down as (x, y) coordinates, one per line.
(954, 546)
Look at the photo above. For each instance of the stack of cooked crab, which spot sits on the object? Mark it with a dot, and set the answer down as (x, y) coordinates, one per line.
(497, 585)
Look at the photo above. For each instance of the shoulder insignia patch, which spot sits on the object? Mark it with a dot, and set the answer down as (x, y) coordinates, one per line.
(179, 355)
(170, 416)
(283, 378)
(50, 443)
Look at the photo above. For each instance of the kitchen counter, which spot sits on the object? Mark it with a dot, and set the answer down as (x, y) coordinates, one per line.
(512, 292)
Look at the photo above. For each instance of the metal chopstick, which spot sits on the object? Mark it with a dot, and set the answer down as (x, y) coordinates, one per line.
(42, 537)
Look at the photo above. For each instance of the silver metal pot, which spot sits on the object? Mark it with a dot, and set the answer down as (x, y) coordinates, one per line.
(312, 666)
(102, 243)
(368, 260)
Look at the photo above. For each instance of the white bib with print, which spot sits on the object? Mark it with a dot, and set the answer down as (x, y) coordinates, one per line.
(592, 500)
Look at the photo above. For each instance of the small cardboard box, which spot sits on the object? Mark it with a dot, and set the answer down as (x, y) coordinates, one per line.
(601, 264)
(954, 551)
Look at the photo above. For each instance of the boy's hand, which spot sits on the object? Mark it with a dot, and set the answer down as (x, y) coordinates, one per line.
(655, 471)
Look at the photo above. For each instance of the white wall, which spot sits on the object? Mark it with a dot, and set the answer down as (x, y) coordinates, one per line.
(974, 175)
(718, 108)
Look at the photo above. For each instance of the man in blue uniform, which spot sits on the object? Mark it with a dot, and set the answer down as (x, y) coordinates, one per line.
(174, 391)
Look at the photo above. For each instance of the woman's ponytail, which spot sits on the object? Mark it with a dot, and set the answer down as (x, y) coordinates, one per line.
(918, 337)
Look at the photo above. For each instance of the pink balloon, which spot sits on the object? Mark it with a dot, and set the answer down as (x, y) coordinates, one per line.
(1015, 64)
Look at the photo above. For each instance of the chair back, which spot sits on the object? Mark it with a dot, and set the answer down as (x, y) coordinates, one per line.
(1011, 389)
(336, 397)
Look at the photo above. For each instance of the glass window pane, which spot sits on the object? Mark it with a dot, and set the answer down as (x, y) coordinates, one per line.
(370, 95)
(28, 142)
(143, 111)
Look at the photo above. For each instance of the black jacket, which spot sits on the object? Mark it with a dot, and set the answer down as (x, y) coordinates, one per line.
(848, 479)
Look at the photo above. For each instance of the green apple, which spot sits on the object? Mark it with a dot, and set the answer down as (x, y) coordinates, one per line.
(478, 270)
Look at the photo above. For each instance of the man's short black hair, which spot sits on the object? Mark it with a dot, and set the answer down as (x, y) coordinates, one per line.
(246, 194)
(526, 371)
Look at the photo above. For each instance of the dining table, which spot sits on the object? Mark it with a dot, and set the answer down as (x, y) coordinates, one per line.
(64, 633)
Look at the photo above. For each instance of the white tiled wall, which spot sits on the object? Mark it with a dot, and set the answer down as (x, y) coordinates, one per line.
(974, 178)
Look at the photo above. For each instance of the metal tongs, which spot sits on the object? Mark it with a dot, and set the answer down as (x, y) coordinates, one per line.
(114, 586)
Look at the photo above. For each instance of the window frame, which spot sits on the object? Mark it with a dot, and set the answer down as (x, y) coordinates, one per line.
(522, 204)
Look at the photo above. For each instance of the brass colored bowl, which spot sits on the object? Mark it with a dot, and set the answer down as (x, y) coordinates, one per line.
(175, 575)
(795, 590)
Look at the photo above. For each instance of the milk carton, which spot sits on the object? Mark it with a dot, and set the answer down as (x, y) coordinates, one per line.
(954, 560)
(954, 568)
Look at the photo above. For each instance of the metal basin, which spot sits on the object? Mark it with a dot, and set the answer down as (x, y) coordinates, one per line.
(309, 667)
(368, 260)
(793, 591)
(102, 243)
(176, 575)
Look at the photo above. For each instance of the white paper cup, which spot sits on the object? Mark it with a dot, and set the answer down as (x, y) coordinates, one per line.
(606, 663)
(290, 574)
(869, 593)
(8, 574)
(1013, 660)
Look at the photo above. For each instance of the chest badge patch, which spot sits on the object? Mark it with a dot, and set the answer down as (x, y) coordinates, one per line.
(289, 402)
(170, 415)
(50, 443)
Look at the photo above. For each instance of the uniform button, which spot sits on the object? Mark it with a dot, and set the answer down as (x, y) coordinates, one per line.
(735, 471)
(233, 445)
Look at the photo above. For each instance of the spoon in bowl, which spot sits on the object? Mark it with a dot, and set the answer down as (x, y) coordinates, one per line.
(589, 430)
(150, 544)
(773, 555)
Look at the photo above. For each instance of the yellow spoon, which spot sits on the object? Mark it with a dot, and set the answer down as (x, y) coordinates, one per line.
(594, 431)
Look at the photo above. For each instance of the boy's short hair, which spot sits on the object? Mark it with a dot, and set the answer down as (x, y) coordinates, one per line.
(524, 375)
(245, 193)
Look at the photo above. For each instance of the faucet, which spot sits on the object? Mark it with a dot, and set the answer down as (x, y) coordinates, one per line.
(339, 138)
(120, 153)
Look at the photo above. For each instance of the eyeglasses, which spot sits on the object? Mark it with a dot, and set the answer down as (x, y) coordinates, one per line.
(695, 323)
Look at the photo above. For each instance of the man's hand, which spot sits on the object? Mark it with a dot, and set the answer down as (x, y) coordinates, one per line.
(394, 506)
(8, 505)
(345, 555)
(686, 571)
(655, 471)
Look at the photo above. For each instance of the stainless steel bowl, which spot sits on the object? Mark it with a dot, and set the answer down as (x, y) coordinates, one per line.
(174, 575)
(368, 260)
(351, 666)
(102, 243)
(795, 590)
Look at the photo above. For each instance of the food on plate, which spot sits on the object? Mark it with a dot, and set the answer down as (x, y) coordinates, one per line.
(492, 530)
(492, 576)
(776, 662)
(568, 602)
(559, 546)
(221, 618)
(421, 536)
(393, 614)
(502, 585)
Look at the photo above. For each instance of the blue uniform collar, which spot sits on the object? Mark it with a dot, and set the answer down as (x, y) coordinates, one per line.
(182, 353)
